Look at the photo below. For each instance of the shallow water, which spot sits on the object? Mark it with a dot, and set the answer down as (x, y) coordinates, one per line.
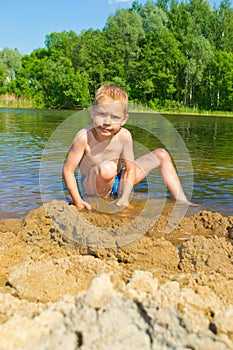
(200, 146)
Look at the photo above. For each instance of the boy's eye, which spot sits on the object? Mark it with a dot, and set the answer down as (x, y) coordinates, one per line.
(115, 117)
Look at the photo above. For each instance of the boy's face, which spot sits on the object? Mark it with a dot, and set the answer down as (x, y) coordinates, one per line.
(108, 117)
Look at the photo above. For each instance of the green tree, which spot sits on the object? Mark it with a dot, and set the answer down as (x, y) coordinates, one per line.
(154, 18)
(28, 82)
(201, 13)
(61, 43)
(2, 80)
(198, 55)
(90, 57)
(123, 33)
(191, 18)
(62, 87)
(158, 67)
(163, 52)
(10, 60)
(224, 26)
(180, 20)
(221, 87)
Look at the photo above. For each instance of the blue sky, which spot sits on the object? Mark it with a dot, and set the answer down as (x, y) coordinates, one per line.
(25, 23)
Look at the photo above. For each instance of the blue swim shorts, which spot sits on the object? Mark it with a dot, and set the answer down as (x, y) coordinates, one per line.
(115, 187)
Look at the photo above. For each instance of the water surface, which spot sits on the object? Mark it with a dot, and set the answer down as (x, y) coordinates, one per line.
(25, 135)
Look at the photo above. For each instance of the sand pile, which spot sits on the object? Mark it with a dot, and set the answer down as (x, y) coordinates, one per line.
(68, 281)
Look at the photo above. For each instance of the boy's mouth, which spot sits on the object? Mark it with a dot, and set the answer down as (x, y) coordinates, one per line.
(102, 128)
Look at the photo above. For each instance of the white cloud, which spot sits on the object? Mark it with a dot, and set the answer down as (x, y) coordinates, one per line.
(118, 1)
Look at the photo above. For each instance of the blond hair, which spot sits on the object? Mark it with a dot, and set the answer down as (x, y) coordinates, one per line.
(112, 93)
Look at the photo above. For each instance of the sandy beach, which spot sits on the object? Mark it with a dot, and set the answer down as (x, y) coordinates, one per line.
(86, 289)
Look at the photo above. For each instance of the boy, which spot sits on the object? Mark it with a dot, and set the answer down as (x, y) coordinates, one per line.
(98, 149)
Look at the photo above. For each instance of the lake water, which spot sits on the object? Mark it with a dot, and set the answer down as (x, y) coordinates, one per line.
(34, 144)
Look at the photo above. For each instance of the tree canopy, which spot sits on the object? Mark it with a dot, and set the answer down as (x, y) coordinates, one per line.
(165, 53)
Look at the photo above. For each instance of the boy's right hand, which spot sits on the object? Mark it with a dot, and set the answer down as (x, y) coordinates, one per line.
(82, 204)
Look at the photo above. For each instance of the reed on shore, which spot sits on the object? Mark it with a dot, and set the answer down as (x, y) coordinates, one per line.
(14, 101)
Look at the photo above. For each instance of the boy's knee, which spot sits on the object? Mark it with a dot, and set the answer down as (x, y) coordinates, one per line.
(108, 170)
(161, 154)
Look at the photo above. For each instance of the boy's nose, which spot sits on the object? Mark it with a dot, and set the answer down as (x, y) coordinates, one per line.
(108, 120)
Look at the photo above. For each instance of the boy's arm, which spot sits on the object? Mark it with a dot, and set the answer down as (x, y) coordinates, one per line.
(128, 180)
(74, 157)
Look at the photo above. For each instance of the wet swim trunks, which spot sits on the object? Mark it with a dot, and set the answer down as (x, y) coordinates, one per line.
(115, 187)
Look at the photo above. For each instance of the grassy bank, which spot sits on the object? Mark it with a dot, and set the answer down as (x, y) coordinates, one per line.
(190, 111)
(182, 111)
(13, 101)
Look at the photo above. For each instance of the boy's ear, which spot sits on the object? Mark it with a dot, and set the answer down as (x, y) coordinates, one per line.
(125, 119)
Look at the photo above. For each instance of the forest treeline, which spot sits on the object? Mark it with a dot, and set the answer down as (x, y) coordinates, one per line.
(166, 54)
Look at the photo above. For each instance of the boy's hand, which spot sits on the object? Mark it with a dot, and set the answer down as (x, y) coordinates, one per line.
(82, 204)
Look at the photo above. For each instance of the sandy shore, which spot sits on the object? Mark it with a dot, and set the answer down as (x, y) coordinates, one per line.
(98, 286)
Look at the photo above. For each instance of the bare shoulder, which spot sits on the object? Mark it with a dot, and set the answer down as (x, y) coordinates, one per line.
(125, 134)
(81, 137)
(80, 141)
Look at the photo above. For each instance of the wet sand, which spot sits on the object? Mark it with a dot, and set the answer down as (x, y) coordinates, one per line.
(55, 253)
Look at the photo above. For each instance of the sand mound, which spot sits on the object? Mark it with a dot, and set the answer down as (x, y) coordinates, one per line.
(87, 281)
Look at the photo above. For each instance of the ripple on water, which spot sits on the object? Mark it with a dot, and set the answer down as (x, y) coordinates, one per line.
(24, 135)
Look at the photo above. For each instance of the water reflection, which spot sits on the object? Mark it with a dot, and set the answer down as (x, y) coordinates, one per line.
(24, 134)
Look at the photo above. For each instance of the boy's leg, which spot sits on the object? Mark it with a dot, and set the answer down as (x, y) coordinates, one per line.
(100, 179)
(161, 158)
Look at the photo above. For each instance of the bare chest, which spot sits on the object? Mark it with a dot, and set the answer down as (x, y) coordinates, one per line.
(96, 154)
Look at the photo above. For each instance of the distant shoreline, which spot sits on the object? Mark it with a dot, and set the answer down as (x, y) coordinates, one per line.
(143, 109)
(210, 114)
(204, 114)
